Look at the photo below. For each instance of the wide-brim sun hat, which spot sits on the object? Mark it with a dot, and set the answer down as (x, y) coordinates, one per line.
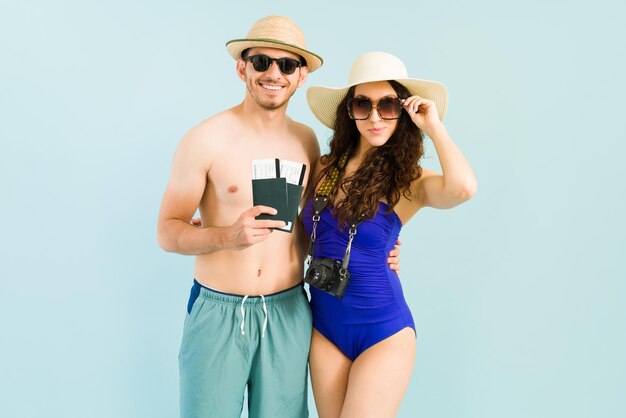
(367, 68)
(275, 32)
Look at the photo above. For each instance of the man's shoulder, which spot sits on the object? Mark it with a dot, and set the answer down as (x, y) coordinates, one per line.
(306, 136)
(217, 122)
(300, 127)
(212, 129)
(303, 132)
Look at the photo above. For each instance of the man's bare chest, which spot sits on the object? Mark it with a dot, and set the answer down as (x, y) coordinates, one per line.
(231, 172)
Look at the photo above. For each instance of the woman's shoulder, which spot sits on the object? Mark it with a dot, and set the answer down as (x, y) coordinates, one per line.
(416, 199)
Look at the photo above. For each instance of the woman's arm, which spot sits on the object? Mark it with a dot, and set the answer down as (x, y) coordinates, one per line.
(456, 184)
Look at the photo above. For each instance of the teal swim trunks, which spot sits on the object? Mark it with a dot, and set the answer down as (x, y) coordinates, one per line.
(231, 342)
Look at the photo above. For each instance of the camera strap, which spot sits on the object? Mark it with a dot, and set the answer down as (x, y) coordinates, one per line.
(320, 202)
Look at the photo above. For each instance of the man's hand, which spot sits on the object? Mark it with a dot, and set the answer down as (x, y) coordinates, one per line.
(247, 230)
(394, 258)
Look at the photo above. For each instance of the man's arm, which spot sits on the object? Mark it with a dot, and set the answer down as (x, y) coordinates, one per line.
(182, 197)
(394, 257)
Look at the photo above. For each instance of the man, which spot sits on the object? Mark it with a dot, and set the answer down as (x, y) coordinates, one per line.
(249, 322)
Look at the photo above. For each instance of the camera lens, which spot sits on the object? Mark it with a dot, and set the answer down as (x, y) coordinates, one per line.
(313, 275)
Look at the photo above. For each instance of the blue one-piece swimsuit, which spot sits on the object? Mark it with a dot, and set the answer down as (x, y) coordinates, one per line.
(373, 307)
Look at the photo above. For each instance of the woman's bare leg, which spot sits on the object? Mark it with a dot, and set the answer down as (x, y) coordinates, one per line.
(329, 376)
(379, 377)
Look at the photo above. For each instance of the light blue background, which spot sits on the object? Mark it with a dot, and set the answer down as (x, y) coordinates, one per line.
(518, 295)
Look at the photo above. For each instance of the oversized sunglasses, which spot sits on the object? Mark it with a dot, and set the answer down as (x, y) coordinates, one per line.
(360, 108)
(261, 63)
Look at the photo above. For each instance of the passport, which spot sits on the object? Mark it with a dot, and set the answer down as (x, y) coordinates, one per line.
(279, 187)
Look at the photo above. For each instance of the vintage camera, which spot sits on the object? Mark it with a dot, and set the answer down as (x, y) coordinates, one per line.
(326, 274)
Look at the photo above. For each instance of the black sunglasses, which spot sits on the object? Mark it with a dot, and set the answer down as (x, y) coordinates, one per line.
(360, 108)
(262, 62)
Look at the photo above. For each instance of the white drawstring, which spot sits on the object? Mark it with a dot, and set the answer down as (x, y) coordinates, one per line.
(265, 321)
(243, 316)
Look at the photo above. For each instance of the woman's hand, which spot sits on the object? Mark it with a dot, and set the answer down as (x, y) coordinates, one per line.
(423, 113)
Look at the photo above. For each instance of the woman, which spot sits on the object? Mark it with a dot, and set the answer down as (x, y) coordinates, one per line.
(363, 343)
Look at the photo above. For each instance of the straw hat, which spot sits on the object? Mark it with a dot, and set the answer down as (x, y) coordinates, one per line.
(374, 66)
(275, 32)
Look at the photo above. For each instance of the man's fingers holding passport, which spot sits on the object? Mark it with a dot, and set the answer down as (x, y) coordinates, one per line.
(247, 230)
(259, 209)
(264, 223)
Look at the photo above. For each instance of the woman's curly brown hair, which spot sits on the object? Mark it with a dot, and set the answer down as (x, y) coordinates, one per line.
(386, 172)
